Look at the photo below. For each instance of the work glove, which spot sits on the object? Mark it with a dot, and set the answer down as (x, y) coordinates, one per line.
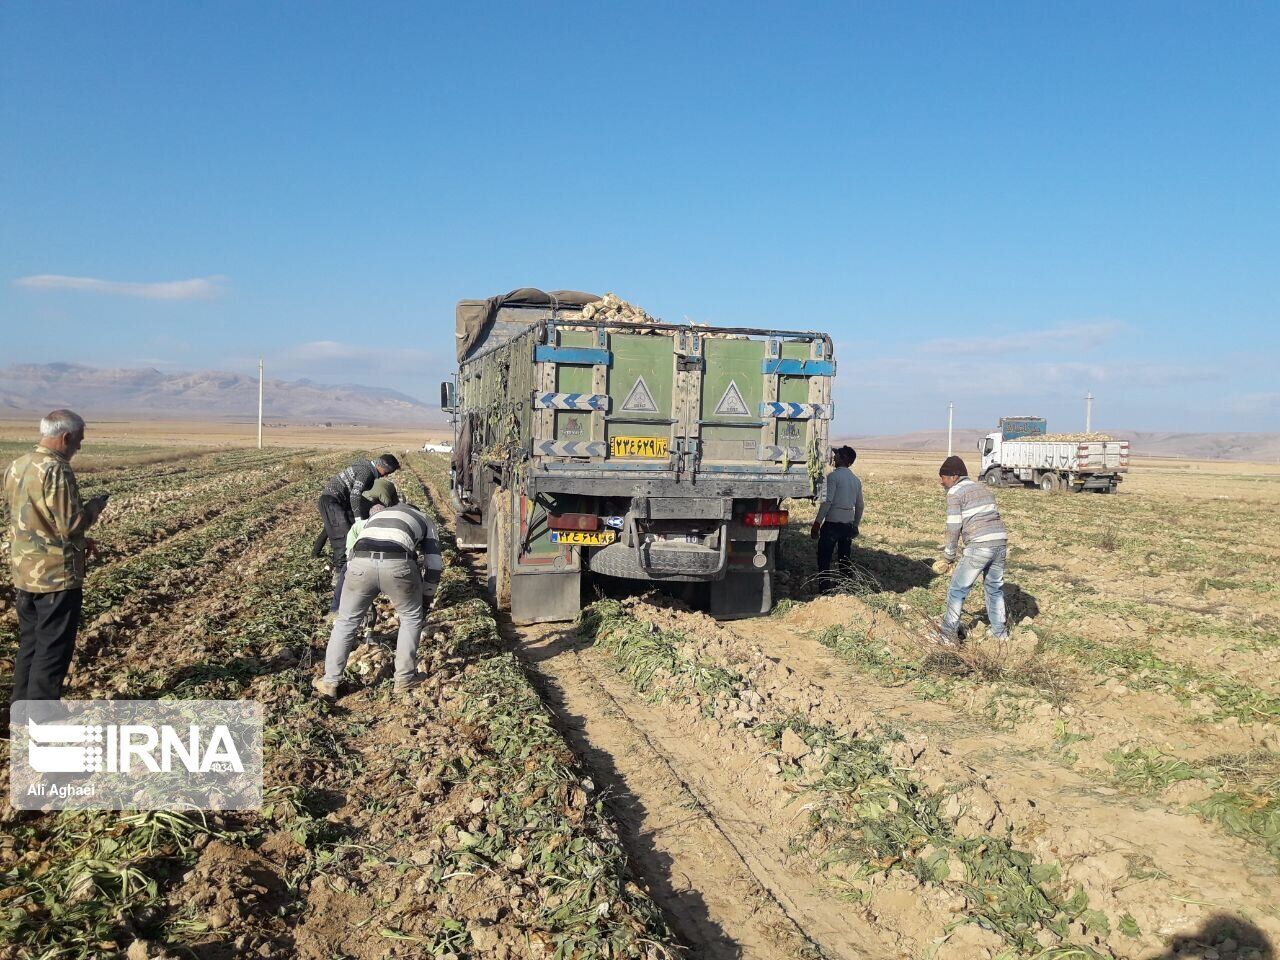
(855, 530)
(815, 530)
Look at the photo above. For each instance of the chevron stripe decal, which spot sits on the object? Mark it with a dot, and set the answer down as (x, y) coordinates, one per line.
(569, 448)
(571, 401)
(797, 411)
(764, 452)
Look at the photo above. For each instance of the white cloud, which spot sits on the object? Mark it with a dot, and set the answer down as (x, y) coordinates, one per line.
(1074, 336)
(198, 288)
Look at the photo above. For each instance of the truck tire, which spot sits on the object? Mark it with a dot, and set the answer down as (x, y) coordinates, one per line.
(499, 557)
(1050, 482)
(993, 477)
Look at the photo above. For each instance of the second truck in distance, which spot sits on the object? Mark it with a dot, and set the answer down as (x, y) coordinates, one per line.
(1021, 452)
(592, 438)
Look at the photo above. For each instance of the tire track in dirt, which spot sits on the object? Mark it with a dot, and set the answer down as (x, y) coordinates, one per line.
(716, 867)
(718, 864)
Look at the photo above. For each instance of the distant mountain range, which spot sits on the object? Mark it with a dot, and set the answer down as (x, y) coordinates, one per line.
(1142, 443)
(97, 393)
(27, 388)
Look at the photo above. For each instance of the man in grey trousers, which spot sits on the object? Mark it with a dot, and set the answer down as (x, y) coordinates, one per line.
(385, 559)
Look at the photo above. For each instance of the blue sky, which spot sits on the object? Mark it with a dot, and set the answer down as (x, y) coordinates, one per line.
(1004, 205)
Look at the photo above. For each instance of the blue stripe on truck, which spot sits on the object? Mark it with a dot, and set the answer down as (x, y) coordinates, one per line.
(585, 356)
(799, 368)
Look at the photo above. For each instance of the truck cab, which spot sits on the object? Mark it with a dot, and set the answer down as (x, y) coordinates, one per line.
(989, 453)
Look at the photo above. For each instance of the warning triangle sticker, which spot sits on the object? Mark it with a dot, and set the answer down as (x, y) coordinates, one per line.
(639, 400)
(732, 404)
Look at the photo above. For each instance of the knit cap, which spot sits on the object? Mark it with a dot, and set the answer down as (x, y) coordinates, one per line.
(953, 467)
(384, 492)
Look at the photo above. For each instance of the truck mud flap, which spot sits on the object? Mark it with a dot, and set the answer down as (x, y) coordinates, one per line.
(545, 597)
(739, 595)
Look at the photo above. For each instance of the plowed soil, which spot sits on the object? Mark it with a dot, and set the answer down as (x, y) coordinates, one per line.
(1116, 776)
(648, 782)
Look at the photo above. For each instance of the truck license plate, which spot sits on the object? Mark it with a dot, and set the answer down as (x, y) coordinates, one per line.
(584, 539)
(637, 446)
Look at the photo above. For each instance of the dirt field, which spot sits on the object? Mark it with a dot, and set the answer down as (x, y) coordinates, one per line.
(818, 783)
(183, 435)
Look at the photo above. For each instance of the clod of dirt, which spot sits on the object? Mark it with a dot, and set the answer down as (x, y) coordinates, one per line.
(969, 942)
(145, 950)
(793, 745)
(975, 812)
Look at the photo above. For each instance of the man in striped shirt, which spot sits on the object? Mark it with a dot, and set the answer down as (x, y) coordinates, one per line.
(385, 559)
(973, 517)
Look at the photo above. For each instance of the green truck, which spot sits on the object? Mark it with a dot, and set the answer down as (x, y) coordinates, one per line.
(643, 450)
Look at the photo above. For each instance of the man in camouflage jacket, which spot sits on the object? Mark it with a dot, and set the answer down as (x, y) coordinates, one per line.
(47, 526)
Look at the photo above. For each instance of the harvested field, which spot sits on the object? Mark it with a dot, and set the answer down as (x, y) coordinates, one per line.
(1106, 785)
(650, 783)
(454, 822)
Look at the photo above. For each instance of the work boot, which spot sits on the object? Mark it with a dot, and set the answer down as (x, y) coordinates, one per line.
(327, 690)
(404, 686)
(945, 637)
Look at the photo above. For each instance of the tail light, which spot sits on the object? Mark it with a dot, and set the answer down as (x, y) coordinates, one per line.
(766, 518)
(573, 521)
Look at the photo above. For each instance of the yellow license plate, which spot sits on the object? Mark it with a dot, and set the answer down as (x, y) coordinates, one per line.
(582, 538)
(637, 446)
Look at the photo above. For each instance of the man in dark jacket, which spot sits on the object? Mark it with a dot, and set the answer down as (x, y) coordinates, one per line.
(342, 503)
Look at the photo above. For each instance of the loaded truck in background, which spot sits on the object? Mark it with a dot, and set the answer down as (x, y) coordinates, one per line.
(1022, 452)
(590, 438)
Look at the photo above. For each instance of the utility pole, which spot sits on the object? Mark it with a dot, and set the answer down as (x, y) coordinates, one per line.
(951, 416)
(259, 403)
(1088, 412)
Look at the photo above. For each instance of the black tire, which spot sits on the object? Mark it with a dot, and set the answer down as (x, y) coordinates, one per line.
(994, 477)
(1048, 482)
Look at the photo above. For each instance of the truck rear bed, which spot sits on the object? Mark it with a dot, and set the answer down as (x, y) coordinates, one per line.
(1095, 456)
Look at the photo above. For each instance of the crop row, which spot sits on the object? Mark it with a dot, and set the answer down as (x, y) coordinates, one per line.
(165, 569)
(870, 817)
(127, 477)
(540, 842)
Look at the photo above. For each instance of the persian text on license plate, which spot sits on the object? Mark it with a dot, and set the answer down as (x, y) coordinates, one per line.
(637, 446)
(583, 538)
